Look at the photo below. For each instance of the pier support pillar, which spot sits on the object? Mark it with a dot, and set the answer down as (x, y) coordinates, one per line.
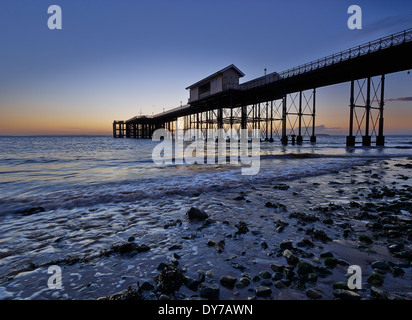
(299, 138)
(350, 139)
(366, 139)
(284, 138)
(243, 119)
(313, 137)
(380, 139)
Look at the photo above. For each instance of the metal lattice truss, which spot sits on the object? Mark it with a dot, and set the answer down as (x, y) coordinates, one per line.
(367, 106)
(300, 114)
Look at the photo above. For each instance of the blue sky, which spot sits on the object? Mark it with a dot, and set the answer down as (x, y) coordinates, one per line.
(115, 59)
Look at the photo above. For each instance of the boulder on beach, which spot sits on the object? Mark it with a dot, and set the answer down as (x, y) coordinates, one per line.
(196, 214)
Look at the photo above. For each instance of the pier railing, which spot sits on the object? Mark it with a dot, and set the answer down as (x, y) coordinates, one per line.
(354, 52)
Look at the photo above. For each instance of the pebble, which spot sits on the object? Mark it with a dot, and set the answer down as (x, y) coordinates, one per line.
(228, 281)
(375, 279)
(277, 267)
(303, 268)
(277, 276)
(280, 285)
(346, 294)
(290, 257)
(209, 291)
(265, 274)
(196, 214)
(286, 245)
(331, 262)
(379, 293)
(263, 291)
(313, 294)
(379, 265)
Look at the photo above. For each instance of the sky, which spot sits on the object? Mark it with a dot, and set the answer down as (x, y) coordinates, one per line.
(113, 60)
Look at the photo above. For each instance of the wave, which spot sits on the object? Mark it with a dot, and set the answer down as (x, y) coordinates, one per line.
(184, 181)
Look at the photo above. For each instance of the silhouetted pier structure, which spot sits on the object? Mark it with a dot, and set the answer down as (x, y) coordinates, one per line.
(283, 105)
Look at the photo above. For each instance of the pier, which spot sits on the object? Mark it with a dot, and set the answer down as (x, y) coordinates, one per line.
(283, 105)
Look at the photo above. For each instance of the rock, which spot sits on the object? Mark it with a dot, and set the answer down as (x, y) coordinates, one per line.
(366, 239)
(169, 279)
(209, 274)
(379, 265)
(375, 225)
(228, 281)
(263, 291)
(304, 217)
(211, 243)
(290, 257)
(196, 214)
(245, 281)
(306, 243)
(175, 256)
(192, 284)
(328, 221)
(312, 277)
(162, 265)
(277, 267)
(206, 223)
(238, 198)
(326, 254)
(281, 186)
(342, 262)
(379, 294)
(128, 247)
(303, 268)
(146, 286)
(330, 262)
(286, 245)
(174, 261)
(241, 228)
(280, 207)
(277, 276)
(375, 279)
(264, 245)
(322, 271)
(127, 294)
(397, 271)
(220, 246)
(164, 297)
(265, 274)
(239, 285)
(395, 247)
(209, 291)
(175, 247)
(131, 239)
(280, 285)
(313, 294)
(30, 211)
(346, 294)
(172, 223)
(266, 282)
(288, 273)
(318, 235)
(340, 285)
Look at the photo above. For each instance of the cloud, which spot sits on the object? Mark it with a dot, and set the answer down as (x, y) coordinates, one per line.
(400, 99)
(323, 127)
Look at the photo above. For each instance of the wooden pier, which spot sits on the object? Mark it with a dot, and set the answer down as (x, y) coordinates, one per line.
(283, 105)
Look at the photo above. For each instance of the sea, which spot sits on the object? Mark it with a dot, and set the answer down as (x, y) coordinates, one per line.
(67, 195)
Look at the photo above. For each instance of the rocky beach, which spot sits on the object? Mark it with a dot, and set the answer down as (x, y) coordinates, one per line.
(289, 240)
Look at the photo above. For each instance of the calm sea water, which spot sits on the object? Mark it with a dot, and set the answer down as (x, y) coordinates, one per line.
(68, 172)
